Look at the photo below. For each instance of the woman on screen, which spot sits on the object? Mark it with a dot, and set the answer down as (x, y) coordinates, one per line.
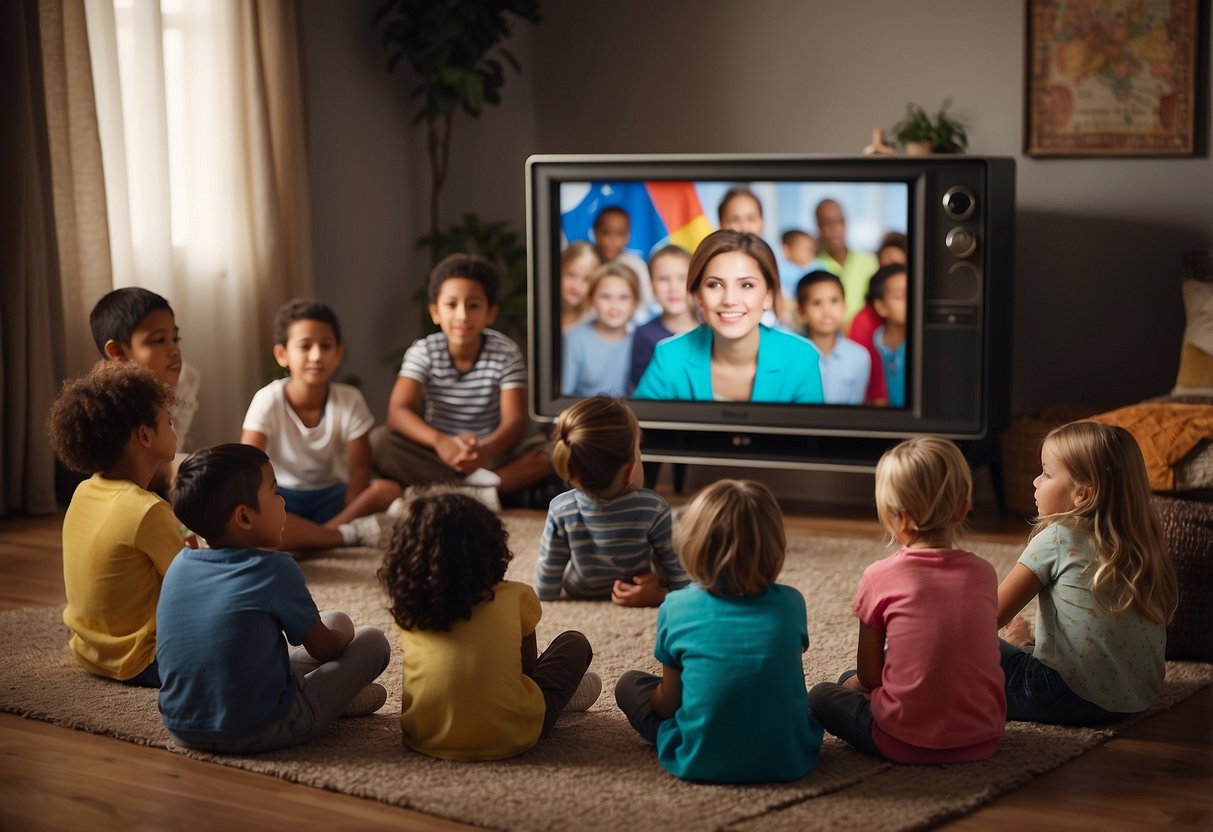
(732, 356)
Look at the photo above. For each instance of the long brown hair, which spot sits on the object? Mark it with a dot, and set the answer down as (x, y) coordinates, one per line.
(1133, 568)
(724, 241)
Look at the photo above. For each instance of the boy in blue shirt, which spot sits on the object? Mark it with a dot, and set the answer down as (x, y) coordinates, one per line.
(472, 380)
(888, 296)
(229, 683)
(845, 365)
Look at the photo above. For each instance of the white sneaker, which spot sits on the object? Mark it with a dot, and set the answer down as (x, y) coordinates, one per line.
(587, 692)
(367, 701)
(486, 494)
(371, 529)
(482, 477)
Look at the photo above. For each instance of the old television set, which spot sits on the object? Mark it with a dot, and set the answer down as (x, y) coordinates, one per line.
(957, 214)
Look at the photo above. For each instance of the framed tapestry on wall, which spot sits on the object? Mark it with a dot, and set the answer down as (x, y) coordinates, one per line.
(1111, 77)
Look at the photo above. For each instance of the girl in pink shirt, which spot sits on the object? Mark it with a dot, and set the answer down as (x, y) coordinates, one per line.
(928, 687)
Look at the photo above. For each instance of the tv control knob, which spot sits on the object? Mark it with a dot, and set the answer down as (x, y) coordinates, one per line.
(961, 242)
(959, 202)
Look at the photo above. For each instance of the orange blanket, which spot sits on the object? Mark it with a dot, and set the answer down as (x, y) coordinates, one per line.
(1166, 433)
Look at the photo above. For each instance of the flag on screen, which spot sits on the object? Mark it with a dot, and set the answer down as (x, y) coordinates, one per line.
(660, 213)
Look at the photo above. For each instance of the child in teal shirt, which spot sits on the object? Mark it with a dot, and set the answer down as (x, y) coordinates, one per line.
(730, 705)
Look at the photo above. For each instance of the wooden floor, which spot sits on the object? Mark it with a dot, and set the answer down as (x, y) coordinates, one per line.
(1156, 774)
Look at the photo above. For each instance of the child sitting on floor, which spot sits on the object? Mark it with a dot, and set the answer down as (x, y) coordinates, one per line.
(730, 705)
(1106, 585)
(316, 431)
(118, 537)
(928, 687)
(475, 686)
(472, 380)
(226, 615)
(608, 536)
(133, 324)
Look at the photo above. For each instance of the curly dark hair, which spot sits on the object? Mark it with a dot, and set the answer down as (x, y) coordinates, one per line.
(90, 423)
(447, 553)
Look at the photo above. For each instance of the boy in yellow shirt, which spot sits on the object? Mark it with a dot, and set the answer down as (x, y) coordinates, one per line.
(118, 537)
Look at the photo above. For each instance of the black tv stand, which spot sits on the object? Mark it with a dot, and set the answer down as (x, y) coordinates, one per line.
(845, 454)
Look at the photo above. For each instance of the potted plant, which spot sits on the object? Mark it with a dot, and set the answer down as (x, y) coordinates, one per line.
(921, 134)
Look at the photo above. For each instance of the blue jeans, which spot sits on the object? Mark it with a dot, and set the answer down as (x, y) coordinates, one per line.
(1038, 693)
(845, 713)
(318, 506)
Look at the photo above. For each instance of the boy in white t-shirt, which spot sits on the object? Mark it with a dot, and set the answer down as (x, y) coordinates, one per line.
(317, 434)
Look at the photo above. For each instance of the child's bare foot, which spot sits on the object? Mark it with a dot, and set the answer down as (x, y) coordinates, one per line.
(1019, 633)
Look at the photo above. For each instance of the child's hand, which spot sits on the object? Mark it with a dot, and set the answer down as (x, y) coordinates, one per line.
(456, 452)
(642, 591)
(1019, 633)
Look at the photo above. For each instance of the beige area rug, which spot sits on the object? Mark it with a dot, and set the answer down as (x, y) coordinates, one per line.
(593, 772)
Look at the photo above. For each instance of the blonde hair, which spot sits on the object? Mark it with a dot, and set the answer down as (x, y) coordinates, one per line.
(927, 479)
(1134, 570)
(574, 252)
(615, 269)
(670, 250)
(731, 538)
(592, 441)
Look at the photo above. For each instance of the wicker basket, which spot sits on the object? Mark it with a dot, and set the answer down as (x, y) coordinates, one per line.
(1188, 530)
(1021, 451)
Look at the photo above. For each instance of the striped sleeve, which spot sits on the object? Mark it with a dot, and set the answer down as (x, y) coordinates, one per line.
(513, 370)
(416, 363)
(553, 558)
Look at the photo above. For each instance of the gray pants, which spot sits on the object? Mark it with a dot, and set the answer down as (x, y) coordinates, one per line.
(633, 695)
(325, 690)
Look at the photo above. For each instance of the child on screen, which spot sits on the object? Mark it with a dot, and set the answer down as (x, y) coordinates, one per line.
(845, 365)
(668, 275)
(577, 264)
(887, 294)
(598, 352)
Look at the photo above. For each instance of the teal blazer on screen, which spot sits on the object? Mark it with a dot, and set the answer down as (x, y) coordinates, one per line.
(789, 369)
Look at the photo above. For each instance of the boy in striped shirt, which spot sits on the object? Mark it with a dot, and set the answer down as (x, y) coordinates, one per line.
(472, 380)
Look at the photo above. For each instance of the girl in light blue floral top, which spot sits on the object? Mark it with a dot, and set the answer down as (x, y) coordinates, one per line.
(1105, 582)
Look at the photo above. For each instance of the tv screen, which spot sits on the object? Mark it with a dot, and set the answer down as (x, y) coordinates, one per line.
(875, 297)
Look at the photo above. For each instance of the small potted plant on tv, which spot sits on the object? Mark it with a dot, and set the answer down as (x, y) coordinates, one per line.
(920, 133)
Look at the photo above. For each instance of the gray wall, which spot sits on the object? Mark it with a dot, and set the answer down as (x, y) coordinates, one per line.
(1098, 315)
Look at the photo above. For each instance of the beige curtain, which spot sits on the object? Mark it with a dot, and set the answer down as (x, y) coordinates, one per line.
(52, 237)
(76, 174)
(201, 116)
